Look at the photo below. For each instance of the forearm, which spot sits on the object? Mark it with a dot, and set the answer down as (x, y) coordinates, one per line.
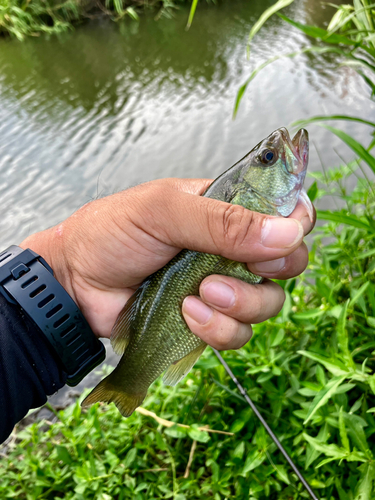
(29, 370)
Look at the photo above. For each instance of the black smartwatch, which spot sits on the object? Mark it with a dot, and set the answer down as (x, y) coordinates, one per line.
(27, 280)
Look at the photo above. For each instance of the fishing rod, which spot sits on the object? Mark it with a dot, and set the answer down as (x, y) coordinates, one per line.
(266, 426)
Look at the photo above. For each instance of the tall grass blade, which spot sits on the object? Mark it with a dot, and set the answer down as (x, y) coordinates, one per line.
(321, 118)
(354, 145)
(349, 220)
(242, 89)
(280, 4)
(319, 33)
(193, 7)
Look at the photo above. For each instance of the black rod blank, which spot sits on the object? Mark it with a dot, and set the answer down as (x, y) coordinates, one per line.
(266, 426)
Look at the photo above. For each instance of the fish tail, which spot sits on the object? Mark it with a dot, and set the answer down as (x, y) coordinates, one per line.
(107, 392)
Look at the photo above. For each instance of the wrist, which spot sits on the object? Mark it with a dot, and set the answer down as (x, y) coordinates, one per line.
(49, 245)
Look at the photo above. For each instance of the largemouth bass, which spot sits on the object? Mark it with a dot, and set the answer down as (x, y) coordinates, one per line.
(150, 332)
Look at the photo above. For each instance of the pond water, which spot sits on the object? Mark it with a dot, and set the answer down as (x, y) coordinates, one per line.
(111, 105)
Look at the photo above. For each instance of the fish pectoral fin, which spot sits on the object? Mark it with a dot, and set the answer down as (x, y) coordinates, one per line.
(120, 335)
(107, 392)
(237, 270)
(178, 370)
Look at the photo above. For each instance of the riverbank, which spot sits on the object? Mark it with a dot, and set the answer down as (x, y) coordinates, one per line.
(21, 18)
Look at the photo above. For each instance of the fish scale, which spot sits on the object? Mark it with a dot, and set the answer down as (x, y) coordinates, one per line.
(151, 333)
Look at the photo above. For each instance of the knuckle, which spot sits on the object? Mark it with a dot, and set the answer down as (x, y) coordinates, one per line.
(237, 226)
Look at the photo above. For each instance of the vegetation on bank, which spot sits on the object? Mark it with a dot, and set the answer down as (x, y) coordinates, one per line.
(21, 18)
(311, 371)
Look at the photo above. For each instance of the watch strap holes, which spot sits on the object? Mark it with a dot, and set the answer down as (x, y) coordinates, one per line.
(53, 311)
(37, 291)
(46, 300)
(82, 353)
(60, 321)
(29, 281)
(68, 330)
(73, 339)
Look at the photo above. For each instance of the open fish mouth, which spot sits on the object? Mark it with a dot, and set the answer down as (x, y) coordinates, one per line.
(299, 148)
(300, 144)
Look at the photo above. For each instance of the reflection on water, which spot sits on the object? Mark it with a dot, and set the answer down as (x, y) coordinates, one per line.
(109, 106)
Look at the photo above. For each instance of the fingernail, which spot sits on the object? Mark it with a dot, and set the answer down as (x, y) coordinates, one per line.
(281, 233)
(197, 310)
(218, 294)
(271, 266)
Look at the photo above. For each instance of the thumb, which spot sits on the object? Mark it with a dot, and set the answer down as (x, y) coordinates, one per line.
(173, 212)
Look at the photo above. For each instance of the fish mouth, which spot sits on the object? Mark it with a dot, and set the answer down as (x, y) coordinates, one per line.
(301, 147)
(296, 156)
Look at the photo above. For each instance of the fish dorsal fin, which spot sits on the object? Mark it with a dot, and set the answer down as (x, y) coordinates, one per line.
(120, 335)
(178, 370)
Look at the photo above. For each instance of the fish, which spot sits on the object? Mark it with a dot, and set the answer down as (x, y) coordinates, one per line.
(150, 332)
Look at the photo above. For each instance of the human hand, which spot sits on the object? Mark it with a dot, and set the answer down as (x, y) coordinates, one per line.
(102, 253)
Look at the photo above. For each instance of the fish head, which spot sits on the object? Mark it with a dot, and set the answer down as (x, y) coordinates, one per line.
(275, 171)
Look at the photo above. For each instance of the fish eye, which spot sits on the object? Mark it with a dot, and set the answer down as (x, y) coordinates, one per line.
(268, 157)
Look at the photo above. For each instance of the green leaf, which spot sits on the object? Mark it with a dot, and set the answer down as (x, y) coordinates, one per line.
(354, 145)
(355, 426)
(364, 489)
(330, 450)
(176, 432)
(130, 457)
(280, 4)
(253, 461)
(310, 314)
(332, 365)
(63, 454)
(350, 220)
(312, 191)
(319, 33)
(277, 338)
(324, 395)
(359, 293)
(371, 383)
(239, 450)
(198, 435)
(368, 253)
(342, 334)
(311, 453)
(343, 433)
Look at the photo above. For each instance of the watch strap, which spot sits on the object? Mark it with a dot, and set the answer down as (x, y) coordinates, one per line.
(26, 279)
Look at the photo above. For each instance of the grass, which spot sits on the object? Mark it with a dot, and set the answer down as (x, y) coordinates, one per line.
(22, 18)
